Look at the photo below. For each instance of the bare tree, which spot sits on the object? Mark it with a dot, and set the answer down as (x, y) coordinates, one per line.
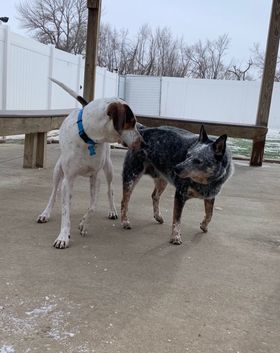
(237, 73)
(59, 22)
(151, 52)
(258, 62)
(207, 58)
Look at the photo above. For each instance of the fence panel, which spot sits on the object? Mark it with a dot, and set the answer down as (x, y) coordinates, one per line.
(199, 99)
(143, 94)
(25, 68)
(2, 64)
(27, 73)
(65, 69)
(213, 100)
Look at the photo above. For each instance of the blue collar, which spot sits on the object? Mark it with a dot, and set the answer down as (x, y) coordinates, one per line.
(84, 136)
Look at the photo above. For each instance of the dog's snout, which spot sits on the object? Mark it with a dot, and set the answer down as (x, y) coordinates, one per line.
(132, 139)
(178, 169)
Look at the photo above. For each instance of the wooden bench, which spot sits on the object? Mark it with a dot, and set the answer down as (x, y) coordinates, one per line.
(36, 124)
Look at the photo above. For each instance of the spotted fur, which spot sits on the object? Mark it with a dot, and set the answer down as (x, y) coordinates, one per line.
(196, 165)
(104, 121)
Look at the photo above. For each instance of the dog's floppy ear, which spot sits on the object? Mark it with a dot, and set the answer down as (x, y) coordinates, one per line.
(122, 115)
(116, 112)
(219, 146)
(203, 137)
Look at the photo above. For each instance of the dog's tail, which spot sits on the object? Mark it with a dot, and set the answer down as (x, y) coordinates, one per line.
(72, 93)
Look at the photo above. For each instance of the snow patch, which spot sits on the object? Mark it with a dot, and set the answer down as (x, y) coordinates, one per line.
(6, 349)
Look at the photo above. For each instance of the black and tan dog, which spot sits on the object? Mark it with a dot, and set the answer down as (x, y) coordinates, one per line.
(196, 165)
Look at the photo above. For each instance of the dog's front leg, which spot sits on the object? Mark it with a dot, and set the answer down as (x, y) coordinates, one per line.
(127, 190)
(208, 205)
(108, 170)
(94, 188)
(179, 202)
(63, 239)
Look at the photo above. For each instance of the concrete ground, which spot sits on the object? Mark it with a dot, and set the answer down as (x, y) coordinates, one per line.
(131, 291)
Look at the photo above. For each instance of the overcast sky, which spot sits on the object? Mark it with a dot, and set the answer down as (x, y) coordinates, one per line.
(245, 21)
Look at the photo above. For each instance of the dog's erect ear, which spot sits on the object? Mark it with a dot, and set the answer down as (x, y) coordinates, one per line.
(203, 137)
(219, 146)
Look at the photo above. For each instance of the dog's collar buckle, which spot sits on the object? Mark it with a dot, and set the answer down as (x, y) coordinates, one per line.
(84, 136)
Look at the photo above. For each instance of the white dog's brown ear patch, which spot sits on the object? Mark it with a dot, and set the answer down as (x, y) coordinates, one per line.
(122, 115)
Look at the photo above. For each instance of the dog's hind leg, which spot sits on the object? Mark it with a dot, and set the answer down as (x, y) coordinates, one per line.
(108, 170)
(63, 240)
(160, 185)
(208, 205)
(94, 188)
(57, 177)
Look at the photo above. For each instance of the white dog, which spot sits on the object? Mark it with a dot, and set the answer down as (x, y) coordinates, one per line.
(84, 141)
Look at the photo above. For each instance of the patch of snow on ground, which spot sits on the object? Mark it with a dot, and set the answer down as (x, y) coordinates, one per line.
(6, 349)
(45, 317)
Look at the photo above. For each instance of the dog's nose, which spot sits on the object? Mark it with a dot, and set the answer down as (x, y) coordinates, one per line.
(137, 143)
(178, 169)
(132, 139)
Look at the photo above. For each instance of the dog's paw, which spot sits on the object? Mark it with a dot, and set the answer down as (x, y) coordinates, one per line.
(126, 225)
(61, 242)
(112, 214)
(176, 240)
(159, 218)
(203, 227)
(83, 228)
(43, 218)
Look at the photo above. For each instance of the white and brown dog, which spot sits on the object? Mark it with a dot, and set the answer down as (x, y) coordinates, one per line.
(84, 141)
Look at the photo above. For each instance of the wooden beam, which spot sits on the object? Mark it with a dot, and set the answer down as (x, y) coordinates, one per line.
(267, 81)
(14, 122)
(94, 10)
(35, 125)
(212, 128)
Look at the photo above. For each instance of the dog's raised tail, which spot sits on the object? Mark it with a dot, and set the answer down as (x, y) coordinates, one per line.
(72, 93)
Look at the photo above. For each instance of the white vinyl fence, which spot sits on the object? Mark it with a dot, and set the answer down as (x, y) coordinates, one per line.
(198, 99)
(26, 65)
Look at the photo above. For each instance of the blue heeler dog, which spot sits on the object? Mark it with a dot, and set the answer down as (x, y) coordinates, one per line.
(196, 165)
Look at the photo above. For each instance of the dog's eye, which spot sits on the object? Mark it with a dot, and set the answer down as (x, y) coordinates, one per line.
(197, 161)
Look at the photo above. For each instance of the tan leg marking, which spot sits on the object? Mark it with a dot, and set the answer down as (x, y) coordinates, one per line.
(160, 185)
(208, 205)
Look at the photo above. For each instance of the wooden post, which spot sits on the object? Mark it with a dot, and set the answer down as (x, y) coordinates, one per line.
(267, 81)
(30, 151)
(35, 150)
(41, 149)
(94, 10)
